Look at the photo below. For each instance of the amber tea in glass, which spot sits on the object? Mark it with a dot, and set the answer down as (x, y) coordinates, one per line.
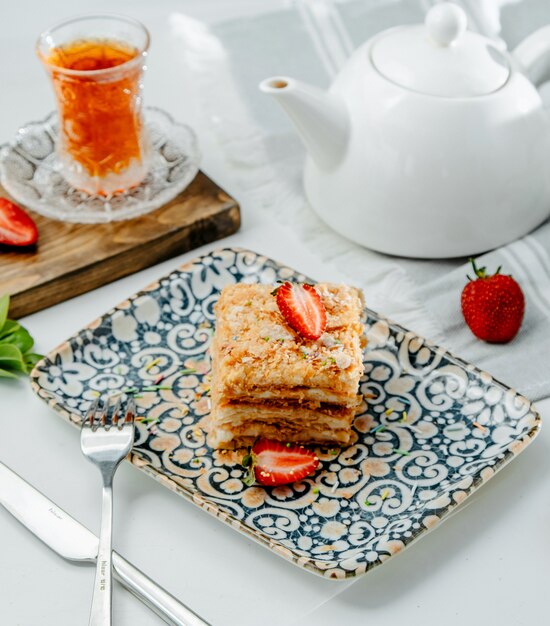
(96, 64)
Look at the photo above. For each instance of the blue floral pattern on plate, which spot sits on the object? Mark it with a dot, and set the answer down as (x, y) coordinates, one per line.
(432, 428)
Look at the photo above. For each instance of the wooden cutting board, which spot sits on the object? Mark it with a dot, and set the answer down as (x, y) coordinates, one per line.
(71, 259)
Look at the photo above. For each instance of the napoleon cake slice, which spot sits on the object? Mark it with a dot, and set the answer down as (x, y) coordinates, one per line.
(270, 381)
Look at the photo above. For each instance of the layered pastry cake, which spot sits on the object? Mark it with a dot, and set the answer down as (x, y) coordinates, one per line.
(271, 378)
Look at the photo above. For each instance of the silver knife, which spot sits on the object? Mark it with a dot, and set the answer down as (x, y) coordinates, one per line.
(75, 542)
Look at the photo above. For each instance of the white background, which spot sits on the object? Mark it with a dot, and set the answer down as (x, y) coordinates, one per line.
(488, 563)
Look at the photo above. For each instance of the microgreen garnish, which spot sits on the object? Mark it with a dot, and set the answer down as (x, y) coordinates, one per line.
(377, 429)
(367, 503)
(455, 428)
(15, 345)
(155, 388)
(248, 462)
(148, 420)
(480, 427)
(265, 338)
(136, 392)
(189, 370)
(152, 364)
(316, 490)
(334, 452)
(401, 452)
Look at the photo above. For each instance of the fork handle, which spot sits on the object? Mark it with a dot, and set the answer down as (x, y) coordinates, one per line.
(101, 612)
(171, 610)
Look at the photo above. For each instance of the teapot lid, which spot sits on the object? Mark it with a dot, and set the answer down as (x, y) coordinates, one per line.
(440, 57)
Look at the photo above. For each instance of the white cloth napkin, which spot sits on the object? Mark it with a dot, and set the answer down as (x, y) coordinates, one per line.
(310, 39)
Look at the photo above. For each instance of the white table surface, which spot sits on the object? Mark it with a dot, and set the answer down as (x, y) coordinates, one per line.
(488, 563)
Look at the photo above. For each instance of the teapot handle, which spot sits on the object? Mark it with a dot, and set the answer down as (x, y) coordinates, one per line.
(533, 55)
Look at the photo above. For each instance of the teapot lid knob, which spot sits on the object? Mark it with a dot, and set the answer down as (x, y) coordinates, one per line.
(446, 22)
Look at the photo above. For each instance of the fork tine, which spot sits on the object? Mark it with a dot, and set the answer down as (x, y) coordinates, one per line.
(102, 417)
(89, 417)
(130, 412)
(116, 411)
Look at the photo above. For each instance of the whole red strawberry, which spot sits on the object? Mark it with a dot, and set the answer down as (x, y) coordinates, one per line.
(493, 306)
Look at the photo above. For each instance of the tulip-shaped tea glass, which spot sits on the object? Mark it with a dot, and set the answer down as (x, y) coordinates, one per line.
(96, 63)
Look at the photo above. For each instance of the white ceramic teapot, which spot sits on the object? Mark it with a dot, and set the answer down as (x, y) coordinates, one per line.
(431, 142)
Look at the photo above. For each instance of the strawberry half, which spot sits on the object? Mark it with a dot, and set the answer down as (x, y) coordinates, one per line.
(16, 227)
(274, 463)
(303, 309)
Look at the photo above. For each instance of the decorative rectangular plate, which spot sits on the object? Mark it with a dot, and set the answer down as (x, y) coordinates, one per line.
(447, 426)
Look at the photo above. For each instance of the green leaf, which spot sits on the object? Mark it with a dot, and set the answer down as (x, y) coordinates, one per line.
(9, 351)
(11, 358)
(10, 326)
(4, 306)
(248, 462)
(250, 477)
(7, 374)
(15, 343)
(31, 359)
(20, 338)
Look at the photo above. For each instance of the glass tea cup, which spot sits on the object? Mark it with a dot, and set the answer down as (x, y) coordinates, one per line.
(96, 64)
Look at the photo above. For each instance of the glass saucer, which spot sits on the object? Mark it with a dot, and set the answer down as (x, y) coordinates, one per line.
(31, 172)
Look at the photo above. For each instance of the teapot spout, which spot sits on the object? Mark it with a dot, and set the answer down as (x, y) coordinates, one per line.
(320, 118)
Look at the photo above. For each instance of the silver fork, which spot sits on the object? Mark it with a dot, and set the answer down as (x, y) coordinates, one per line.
(105, 441)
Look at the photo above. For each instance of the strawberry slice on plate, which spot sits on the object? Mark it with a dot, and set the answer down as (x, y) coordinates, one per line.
(274, 463)
(303, 309)
(16, 227)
